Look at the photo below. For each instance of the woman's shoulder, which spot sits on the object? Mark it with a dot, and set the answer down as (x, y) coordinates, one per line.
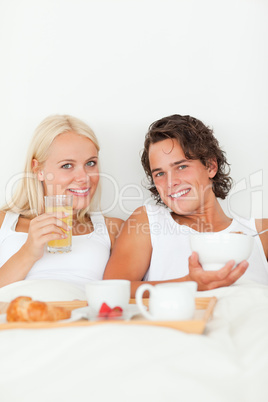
(9, 218)
(2, 217)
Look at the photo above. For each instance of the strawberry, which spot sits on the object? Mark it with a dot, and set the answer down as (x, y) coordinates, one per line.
(104, 310)
(115, 312)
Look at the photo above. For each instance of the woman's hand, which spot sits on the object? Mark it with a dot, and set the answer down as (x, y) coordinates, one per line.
(208, 280)
(42, 229)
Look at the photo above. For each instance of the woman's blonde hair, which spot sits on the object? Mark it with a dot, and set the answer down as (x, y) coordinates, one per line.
(28, 199)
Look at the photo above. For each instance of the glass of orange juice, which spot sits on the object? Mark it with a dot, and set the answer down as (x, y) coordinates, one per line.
(55, 204)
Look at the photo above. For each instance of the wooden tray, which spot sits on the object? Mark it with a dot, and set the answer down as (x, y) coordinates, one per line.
(204, 310)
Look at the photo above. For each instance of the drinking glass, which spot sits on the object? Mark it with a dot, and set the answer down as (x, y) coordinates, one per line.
(62, 204)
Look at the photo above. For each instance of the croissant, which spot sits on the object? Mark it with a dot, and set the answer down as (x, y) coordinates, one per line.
(25, 309)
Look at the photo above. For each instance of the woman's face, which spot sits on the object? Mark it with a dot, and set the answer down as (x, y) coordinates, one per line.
(184, 185)
(71, 168)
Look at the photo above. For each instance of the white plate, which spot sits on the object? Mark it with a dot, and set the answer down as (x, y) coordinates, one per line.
(89, 314)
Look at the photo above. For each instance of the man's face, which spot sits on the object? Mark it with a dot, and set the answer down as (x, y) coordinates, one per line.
(184, 185)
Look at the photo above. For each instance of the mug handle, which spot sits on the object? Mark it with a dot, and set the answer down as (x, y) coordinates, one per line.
(139, 293)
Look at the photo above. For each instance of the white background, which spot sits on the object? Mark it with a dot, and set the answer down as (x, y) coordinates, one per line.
(119, 65)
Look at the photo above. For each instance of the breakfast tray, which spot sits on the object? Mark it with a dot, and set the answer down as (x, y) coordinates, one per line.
(203, 312)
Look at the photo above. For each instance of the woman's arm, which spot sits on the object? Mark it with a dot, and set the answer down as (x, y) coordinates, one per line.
(41, 229)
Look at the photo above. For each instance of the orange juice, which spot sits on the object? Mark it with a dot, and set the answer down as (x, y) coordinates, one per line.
(65, 243)
(61, 204)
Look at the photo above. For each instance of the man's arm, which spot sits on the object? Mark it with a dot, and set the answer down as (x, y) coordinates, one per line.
(131, 255)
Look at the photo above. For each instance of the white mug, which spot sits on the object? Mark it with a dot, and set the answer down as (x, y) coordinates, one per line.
(168, 301)
(113, 292)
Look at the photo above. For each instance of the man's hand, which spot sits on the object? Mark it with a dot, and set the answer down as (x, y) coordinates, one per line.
(208, 280)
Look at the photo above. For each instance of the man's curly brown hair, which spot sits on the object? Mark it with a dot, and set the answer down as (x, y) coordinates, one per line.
(197, 142)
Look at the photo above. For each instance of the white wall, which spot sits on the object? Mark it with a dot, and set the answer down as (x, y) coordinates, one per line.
(120, 65)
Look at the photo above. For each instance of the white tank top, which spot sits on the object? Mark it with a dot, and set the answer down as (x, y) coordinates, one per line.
(86, 261)
(171, 247)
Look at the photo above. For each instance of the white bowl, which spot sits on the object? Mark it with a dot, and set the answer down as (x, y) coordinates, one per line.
(216, 249)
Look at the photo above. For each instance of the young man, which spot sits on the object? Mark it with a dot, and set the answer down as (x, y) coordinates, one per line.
(187, 172)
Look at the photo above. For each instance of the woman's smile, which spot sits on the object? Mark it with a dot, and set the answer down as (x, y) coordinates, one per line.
(80, 192)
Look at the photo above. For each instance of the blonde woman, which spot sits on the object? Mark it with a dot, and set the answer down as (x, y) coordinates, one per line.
(62, 159)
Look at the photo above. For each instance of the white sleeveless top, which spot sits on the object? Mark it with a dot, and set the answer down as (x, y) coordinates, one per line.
(171, 247)
(86, 261)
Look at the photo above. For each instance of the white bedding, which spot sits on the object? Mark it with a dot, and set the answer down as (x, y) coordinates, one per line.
(229, 362)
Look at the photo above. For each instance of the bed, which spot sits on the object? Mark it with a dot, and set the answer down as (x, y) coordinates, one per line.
(228, 362)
